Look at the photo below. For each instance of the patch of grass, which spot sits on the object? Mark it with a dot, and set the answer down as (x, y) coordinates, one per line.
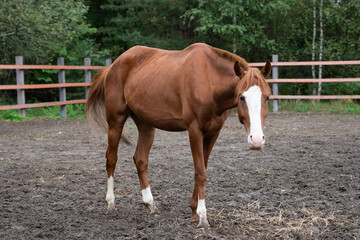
(342, 106)
(73, 111)
(352, 110)
(45, 112)
(76, 111)
(11, 116)
(301, 108)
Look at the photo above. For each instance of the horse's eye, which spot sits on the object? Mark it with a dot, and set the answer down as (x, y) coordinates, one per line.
(267, 98)
(242, 98)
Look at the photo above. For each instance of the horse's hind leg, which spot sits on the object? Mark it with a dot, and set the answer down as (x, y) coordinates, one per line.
(141, 159)
(116, 123)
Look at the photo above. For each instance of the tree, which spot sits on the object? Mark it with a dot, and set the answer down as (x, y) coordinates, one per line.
(154, 23)
(252, 27)
(41, 31)
(36, 29)
(321, 44)
(313, 45)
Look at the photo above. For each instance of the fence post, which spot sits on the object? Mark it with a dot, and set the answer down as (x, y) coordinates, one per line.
(87, 62)
(275, 88)
(62, 91)
(108, 62)
(20, 81)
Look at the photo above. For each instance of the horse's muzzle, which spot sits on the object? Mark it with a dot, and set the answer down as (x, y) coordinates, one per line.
(256, 141)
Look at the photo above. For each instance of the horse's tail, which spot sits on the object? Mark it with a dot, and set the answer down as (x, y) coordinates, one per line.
(95, 104)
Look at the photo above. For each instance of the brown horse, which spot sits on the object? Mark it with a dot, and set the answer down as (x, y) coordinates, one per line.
(190, 90)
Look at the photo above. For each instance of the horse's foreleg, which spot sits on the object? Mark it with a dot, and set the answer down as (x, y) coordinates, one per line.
(194, 203)
(196, 143)
(114, 134)
(208, 144)
(141, 159)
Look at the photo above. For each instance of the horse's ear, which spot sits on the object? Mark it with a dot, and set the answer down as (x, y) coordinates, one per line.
(266, 70)
(238, 69)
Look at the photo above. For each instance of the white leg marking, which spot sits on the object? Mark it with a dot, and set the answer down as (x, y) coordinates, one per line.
(110, 197)
(149, 199)
(253, 102)
(147, 196)
(201, 211)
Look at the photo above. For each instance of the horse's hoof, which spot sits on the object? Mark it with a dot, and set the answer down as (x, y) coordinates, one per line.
(203, 223)
(153, 209)
(110, 208)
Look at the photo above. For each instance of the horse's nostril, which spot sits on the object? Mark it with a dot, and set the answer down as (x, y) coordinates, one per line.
(263, 137)
(250, 136)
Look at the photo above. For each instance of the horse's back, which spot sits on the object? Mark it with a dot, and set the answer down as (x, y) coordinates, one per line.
(162, 87)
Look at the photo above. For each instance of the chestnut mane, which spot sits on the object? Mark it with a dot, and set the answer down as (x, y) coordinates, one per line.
(252, 76)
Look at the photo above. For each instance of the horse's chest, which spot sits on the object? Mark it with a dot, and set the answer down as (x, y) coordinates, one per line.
(214, 124)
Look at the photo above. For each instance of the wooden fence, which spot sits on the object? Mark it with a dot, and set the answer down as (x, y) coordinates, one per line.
(62, 85)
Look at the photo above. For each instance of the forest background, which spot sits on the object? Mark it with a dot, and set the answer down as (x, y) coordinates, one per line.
(296, 30)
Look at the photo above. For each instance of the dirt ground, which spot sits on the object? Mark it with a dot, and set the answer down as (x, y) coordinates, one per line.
(305, 183)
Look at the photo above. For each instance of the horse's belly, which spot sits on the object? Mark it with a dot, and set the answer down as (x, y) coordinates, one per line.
(162, 121)
(162, 117)
(170, 124)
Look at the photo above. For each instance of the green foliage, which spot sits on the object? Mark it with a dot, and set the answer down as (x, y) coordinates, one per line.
(243, 23)
(42, 31)
(38, 29)
(352, 110)
(76, 111)
(11, 116)
(345, 106)
(154, 23)
(302, 108)
(73, 111)
(43, 112)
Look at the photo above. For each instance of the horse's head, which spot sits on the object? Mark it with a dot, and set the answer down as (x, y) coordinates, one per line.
(252, 95)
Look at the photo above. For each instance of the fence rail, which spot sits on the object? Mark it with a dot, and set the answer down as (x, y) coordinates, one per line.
(316, 63)
(61, 67)
(314, 97)
(306, 80)
(54, 67)
(44, 104)
(40, 86)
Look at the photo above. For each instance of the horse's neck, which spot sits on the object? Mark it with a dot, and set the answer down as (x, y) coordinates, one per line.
(225, 81)
(224, 93)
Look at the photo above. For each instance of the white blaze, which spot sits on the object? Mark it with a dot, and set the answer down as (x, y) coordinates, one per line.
(253, 102)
